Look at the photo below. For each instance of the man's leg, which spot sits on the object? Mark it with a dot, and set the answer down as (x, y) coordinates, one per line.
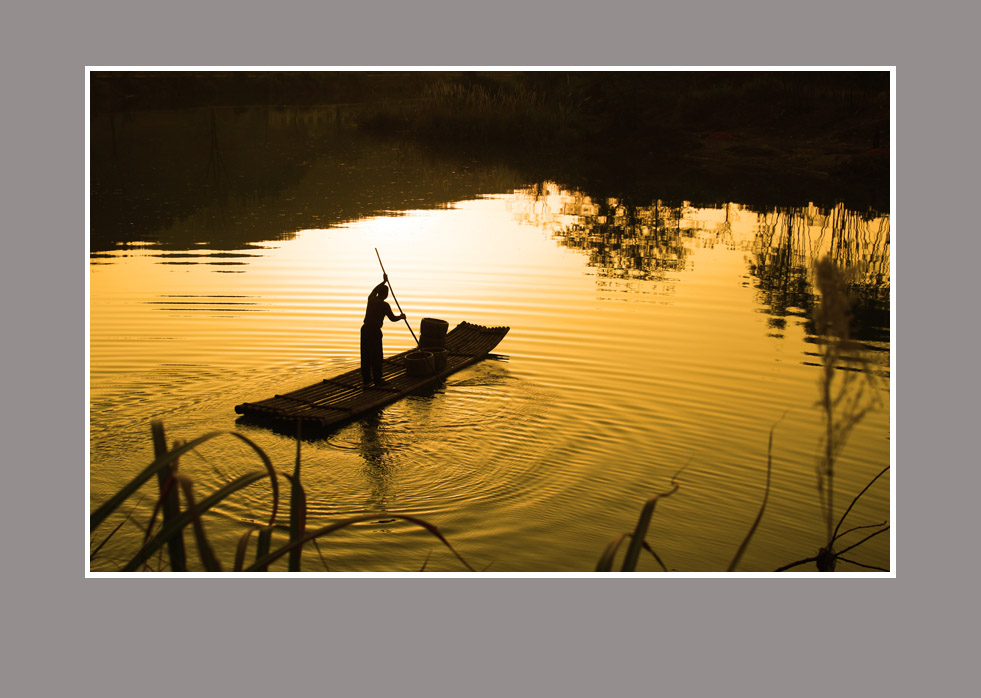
(366, 357)
(376, 357)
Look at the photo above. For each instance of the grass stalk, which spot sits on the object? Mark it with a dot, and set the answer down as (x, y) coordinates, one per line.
(161, 462)
(169, 499)
(298, 506)
(105, 540)
(843, 403)
(186, 517)
(320, 554)
(298, 520)
(855, 545)
(798, 563)
(265, 560)
(242, 548)
(638, 540)
(262, 548)
(605, 562)
(861, 564)
(657, 557)
(766, 496)
(859, 528)
(835, 535)
(640, 532)
(205, 550)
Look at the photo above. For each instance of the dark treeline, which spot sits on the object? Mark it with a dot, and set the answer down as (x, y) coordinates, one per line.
(778, 137)
(642, 106)
(613, 104)
(772, 138)
(781, 137)
(113, 91)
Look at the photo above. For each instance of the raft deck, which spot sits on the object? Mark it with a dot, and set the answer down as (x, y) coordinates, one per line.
(336, 401)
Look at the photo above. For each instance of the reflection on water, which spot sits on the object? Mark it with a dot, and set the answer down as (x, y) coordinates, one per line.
(645, 336)
(628, 242)
(226, 178)
(622, 241)
(789, 243)
(379, 467)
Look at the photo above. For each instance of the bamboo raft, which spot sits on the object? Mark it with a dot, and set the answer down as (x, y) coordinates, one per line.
(333, 402)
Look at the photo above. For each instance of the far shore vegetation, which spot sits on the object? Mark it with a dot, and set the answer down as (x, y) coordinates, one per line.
(782, 134)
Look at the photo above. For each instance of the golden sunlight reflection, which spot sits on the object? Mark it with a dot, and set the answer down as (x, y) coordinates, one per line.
(643, 337)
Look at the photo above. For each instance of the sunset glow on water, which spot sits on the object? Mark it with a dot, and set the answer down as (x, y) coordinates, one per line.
(629, 358)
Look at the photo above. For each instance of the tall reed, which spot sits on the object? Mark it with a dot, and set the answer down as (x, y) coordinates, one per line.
(847, 389)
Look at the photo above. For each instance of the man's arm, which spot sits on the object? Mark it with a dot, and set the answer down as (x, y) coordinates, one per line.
(376, 290)
(392, 316)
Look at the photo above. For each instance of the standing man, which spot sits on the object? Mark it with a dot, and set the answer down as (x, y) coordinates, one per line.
(371, 333)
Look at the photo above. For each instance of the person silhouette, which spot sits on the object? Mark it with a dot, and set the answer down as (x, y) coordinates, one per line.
(371, 333)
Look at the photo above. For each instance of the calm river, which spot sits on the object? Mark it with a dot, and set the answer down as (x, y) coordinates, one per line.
(646, 338)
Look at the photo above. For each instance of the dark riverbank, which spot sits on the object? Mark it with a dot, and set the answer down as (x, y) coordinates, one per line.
(783, 138)
(767, 137)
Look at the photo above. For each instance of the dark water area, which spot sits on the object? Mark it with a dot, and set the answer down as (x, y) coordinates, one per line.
(655, 322)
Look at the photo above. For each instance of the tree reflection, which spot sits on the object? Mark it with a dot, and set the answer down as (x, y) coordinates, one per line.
(621, 240)
(231, 177)
(791, 240)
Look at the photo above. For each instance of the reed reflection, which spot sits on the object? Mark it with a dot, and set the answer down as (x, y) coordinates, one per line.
(790, 241)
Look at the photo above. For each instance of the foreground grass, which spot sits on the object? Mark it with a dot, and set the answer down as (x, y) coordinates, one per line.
(178, 514)
(178, 509)
(846, 395)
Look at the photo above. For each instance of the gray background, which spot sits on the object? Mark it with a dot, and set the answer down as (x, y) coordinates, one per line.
(67, 635)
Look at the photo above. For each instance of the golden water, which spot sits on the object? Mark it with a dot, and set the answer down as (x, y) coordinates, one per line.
(627, 360)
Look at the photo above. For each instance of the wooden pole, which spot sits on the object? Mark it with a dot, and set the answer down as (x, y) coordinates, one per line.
(384, 273)
(432, 364)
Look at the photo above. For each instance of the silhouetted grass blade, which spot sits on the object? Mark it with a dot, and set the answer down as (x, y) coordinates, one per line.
(105, 540)
(298, 520)
(208, 558)
(640, 530)
(657, 557)
(100, 514)
(262, 548)
(276, 554)
(605, 563)
(242, 548)
(855, 545)
(170, 501)
(759, 515)
(864, 489)
(637, 538)
(186, 517)
(298, 505)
